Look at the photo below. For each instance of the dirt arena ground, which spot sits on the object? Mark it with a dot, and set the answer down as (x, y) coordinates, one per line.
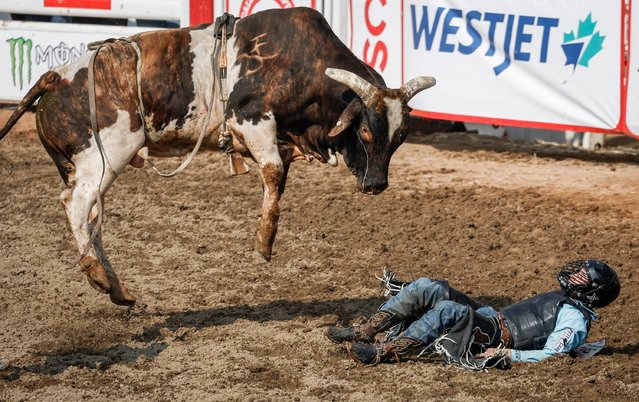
(215, 322)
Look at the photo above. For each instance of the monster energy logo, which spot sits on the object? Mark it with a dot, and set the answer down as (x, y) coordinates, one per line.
(19, 45)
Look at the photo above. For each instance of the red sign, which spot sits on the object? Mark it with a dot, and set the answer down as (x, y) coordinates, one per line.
(94, 4)
(380, 49)
(200, 12)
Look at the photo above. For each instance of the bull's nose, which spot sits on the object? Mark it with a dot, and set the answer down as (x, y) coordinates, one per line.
(375, 188)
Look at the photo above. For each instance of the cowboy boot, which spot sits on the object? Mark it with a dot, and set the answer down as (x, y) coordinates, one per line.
(372, 354)
(364, 332)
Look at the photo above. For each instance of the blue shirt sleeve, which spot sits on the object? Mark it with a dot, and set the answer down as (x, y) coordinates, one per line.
(571, 330)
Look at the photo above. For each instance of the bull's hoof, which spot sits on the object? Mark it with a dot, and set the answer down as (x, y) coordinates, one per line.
(106, 282)
(267, 257)
(121, 296)
(265, 251)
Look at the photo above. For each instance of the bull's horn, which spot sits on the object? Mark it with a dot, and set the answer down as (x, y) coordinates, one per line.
(415, 86)
(360, 86)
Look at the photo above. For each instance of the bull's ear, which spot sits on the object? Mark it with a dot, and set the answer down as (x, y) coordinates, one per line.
(345, 120)
(348, 96)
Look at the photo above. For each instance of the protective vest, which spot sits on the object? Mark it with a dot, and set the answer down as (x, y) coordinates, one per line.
(531, 321)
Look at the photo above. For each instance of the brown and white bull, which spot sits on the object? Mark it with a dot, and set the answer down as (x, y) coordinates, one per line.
(294, 91)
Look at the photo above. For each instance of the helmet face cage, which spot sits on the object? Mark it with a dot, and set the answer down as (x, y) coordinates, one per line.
(565, 274)
(599, 289)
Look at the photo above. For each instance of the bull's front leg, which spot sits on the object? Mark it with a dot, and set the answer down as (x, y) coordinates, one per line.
(272, 175)
(261, 141)
(273, 184)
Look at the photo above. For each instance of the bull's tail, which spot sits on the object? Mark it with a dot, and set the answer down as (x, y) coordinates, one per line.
(40, 87)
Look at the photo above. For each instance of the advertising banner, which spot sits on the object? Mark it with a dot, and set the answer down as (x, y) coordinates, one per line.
(28, 49)
(536, 63)
(27, 53)
(632, 97)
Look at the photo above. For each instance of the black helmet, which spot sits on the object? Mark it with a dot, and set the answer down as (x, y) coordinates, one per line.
(592, 282)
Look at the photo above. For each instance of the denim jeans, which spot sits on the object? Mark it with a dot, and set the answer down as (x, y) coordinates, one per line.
(426, 311)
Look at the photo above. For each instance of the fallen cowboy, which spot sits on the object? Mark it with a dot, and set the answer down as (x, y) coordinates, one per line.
(277, 86)
(429, 317)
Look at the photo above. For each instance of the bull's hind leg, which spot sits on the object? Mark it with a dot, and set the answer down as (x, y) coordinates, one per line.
(80, 203)
(261, 140)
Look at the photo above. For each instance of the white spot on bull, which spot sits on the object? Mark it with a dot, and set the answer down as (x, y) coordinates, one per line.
(120, 145)
(69, 71)
(394, 115)
(202, 44)
(234, 71)
(260, 139)
(202, 47)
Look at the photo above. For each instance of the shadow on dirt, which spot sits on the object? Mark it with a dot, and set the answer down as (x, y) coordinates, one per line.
(280, 310)
(629, 350)
(98, 360)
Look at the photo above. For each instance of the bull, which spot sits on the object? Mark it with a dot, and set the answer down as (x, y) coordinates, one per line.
(295, 91)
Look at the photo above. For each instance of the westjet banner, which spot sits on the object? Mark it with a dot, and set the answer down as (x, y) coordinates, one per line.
(537, 63)
(632, 105)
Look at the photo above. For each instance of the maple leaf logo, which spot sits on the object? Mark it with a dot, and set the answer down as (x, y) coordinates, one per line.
(581, 48)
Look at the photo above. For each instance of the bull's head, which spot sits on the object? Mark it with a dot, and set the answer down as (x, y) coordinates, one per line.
(378, 118)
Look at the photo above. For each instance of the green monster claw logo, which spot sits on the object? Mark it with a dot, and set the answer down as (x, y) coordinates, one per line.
(580, 49)
(17, 61)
